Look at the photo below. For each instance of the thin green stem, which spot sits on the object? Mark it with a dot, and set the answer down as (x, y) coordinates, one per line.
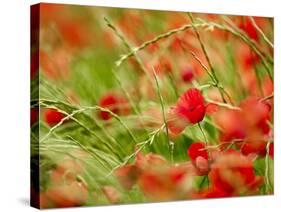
(267, 180)
(196, 25)
(98, 108)
(261, 32)
(141, 145)
(248, 41)
(163, 112)
(203, 49)
(267, 97)
(128, 46)
(214, 76)
(203, 133)
(152, 41)
(215, 82)
(231, 107)
(86, 128)
(80, 111)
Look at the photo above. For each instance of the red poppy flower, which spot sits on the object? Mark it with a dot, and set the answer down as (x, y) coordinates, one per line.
(211, 108)
(127, 175)
(213, 192)
(253, 146)
(197, 149)
(156, 177)
(165, 183)
(232, 125)
(190, 109)
(67, 195)
(115, 103)
(250, 59)
(75, 33)
(256, 126)
(261, 111)
(233, 165)
(154, 186)
(199, 157)
(247, 26)
(187, 74)
(191, 106)
(251, 130)
(52, 116)
(149, 160)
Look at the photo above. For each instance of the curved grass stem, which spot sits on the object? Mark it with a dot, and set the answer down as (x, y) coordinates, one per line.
(261, 32)
(152, 41)
(163, 114)
(221, 104)
(203, 133)
(128, 46)
(141, 146)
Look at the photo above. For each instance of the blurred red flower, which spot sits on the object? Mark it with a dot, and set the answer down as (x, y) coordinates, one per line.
(67, 195)
(211, 108)
(197, 149)
(232, 125)
(156, 177)
(249, 130)
(247, 26)
(56, 64)
(75, 33)
(199, 157)
(256, 126)
(127, 175)
(233, 173)
(65, 190)
(212, 192)
(115, 103)
(112, 194)
(187, 74)
(165, 183)
(162, 66)
(52, 116)
(150, 159)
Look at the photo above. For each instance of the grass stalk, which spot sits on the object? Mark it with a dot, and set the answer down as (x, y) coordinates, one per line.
(265, 38)
(268, 186)
(203, 133)
(163, 112)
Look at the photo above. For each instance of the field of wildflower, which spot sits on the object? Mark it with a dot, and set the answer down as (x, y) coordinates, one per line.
(136, 106)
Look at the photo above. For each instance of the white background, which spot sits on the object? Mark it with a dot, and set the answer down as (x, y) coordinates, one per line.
(14, 102)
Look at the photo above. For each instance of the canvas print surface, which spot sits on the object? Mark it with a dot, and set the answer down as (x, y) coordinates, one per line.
(137, 106)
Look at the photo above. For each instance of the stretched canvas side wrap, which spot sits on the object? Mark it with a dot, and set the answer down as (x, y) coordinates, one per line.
(137, 106)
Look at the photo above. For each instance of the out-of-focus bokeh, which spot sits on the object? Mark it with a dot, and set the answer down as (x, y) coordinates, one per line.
(134, 106)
